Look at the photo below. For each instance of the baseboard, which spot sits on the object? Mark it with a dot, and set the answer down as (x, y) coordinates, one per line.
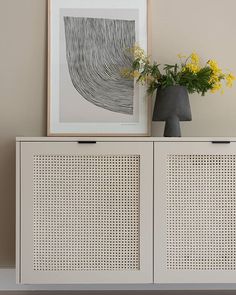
(7, 283)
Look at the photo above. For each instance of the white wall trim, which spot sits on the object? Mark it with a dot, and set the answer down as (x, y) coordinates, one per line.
(8, 283)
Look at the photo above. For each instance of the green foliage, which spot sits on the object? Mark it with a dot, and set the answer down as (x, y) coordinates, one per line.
(188, 73)
(194, 82)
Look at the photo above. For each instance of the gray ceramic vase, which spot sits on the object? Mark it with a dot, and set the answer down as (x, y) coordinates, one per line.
(172, 106)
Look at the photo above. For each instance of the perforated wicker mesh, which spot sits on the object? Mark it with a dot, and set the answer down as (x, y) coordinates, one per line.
(201, 212)
(86, 212)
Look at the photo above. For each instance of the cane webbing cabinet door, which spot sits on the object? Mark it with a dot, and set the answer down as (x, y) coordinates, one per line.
(85, 212)
(195, 212)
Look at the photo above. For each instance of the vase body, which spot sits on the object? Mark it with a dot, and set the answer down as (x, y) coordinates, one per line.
(172, 106)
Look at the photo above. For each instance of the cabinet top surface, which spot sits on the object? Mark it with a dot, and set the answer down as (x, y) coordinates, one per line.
(119, 139)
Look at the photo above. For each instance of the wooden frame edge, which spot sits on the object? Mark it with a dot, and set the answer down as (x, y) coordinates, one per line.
(149, 51)
(48, 66)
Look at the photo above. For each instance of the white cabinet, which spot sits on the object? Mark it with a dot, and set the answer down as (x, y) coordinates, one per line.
(84, 212)
(195, 212)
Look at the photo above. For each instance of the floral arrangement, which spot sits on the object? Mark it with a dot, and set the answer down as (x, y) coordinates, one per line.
(188, 72)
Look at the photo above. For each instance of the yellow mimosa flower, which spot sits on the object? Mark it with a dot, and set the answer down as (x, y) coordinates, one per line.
(195, 58)
(214, 66)
(136, 74)
(229, 79)
(214, 78)
(192, 67)
(138, 52)
(216, 87)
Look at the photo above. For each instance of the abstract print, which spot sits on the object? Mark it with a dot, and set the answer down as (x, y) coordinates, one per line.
(96, 54)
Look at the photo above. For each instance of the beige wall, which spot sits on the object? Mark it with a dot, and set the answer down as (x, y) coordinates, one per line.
(207, 26)
(22, 98)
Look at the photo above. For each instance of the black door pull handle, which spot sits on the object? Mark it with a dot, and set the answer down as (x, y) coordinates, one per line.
(87, 142)
(221, 141)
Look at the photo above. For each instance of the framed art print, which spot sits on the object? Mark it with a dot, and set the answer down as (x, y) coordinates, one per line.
(88, 42)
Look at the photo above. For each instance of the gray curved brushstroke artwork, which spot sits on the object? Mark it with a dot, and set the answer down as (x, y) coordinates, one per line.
(95, 51)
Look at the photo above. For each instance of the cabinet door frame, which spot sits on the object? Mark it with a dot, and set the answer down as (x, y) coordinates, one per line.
(161, 273)
(26, 274)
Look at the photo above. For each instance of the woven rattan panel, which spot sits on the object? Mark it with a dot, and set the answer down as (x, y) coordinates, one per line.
(201, 212)
(86, 212)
